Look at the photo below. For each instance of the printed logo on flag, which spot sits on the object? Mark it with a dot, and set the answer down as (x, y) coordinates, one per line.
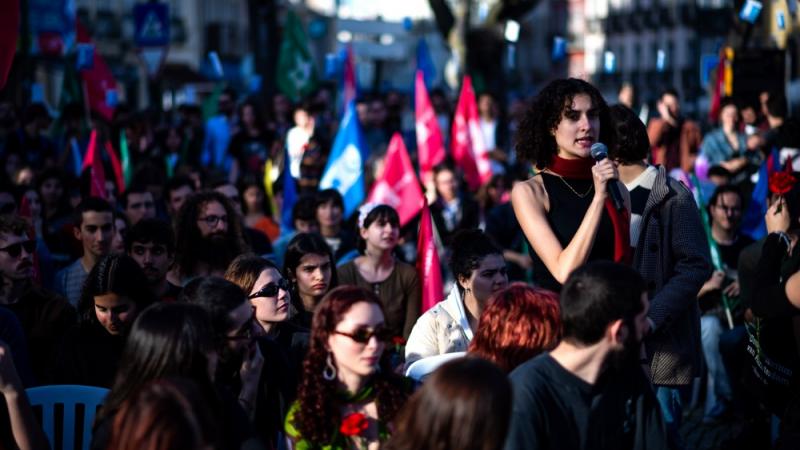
(750, 11)
(559, 48)
(609, 62)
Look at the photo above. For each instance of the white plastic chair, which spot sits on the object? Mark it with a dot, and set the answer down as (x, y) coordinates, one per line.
(69, 395)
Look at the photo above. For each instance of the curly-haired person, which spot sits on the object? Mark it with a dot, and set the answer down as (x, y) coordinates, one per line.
(348, 394)
(208, 236)
(565, 210)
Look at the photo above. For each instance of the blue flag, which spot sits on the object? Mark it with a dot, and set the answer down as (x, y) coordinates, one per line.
(345, 169)
(425, 62)
(753, 223)
(289, 195)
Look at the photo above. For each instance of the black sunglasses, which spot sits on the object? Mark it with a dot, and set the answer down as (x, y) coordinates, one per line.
(14, 250)
(271, 290)
(363, 335)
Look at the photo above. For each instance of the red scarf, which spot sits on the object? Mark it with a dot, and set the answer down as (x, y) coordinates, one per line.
(581, 169)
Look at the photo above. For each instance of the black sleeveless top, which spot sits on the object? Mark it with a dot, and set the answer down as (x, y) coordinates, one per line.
(565, 217)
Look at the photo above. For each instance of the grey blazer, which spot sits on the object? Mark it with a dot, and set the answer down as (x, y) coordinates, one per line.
(672, 255)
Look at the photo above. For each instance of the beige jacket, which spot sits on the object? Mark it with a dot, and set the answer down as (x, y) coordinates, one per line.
(442, 329)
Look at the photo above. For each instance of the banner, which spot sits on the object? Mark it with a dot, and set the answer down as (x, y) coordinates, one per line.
(398, 187)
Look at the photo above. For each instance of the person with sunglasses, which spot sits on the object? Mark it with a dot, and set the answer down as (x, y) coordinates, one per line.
(284, 344)
(45, 317)
(348, 395)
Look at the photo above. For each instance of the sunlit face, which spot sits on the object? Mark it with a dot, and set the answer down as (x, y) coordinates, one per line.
(213, 219)
(96, 232)
(672, 104)
(140, 206)
(153, 258)
(313, 275)
(350, 357)
(446, 185)
(114, 312)
(178, 197)
(381, 235)
(488, 278)
(578, 128)
(274, 309)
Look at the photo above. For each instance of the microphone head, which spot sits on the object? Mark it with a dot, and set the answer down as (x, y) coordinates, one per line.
(599, 151)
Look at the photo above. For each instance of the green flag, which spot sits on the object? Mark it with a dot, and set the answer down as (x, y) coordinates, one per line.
(296, 76)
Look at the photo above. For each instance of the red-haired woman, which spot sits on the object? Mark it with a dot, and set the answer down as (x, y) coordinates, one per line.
(520, 322)
(348, 393)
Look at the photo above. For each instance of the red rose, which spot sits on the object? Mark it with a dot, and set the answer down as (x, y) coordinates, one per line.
(781, 183)
(354, 424)
(398, 340)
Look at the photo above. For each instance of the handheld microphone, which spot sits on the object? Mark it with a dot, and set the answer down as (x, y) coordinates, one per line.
(599, 152)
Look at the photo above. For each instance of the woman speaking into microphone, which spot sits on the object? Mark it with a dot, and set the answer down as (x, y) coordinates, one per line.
(565, 210)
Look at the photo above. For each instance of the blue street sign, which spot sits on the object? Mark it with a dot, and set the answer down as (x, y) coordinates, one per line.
(151, 24)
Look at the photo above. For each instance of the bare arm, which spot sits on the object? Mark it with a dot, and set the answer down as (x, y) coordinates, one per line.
(528, 200)
(27, 433)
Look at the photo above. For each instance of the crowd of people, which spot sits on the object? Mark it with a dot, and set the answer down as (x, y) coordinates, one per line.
(584, 297)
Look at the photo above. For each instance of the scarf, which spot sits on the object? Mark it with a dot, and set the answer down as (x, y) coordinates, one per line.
(581, 169)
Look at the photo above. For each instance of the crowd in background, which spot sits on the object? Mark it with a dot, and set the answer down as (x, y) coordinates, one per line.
(217, 323)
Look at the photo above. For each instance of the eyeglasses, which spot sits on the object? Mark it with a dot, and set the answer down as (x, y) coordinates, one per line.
(363, 335)
(271, 289)
(212, 221)
(14, 250)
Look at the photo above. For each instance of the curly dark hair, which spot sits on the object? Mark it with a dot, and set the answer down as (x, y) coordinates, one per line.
(469, 247)
(188, 239)
(534, 140)
(631, 143)
(318, 415)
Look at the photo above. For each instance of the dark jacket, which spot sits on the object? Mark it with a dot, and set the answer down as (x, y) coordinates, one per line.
(88, 355)
(45, 318)
(468, 217)
(672, 256)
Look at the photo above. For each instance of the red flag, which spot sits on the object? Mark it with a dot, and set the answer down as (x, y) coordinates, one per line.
(98, 81)
(98, 174)
(349, 77)
(428, 264)
(398, 187)
(468, 147)
(116, 165)
(9, 30)
(430, 145)
(719, 88)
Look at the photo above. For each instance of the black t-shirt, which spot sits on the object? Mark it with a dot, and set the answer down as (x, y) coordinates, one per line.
(554, 409)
